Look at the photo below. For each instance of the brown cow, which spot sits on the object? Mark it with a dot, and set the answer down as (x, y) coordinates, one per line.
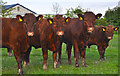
(101, 37)
(16, 37)
(51, 32)
(76, 34)
(29, 22)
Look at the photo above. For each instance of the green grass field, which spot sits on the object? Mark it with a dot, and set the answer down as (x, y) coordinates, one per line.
(94, 66)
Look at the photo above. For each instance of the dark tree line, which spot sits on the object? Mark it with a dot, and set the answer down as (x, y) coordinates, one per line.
(113, 16)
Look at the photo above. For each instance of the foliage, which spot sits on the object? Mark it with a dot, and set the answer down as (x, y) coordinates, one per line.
(48, 16)
(101, 21)
(113, 16)
(71, 12)
(94, 66)
(4, 12)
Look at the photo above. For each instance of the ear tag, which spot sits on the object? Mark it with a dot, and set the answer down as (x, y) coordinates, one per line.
(98, 17)
(39, 18)
(50, 21)
(116, 29)
(81, 18)
(20, 19)
(66, 20)
(103, 29)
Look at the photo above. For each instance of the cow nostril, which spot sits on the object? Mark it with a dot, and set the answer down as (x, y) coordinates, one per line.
(30, 33)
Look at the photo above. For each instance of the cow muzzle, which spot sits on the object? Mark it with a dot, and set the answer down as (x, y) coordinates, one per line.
(90, 29)
(109, 38)
(60, 33)
(30, 33)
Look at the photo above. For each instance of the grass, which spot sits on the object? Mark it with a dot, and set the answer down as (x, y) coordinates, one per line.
(94, 66)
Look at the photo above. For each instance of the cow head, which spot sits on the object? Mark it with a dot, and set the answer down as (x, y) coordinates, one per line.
(89, 20)
(109, 31)
(29, 22)
(57, 22)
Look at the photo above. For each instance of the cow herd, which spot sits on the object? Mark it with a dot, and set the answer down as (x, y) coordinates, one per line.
(20, 34)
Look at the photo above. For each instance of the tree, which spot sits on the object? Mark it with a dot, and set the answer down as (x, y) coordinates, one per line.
(3, 11)
(102, 21)
(56, 8)
(71, 12)
(112, 16)
(49, 16)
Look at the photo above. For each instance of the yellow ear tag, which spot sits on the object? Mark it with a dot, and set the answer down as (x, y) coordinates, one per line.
(66, 20)
(98, 17)
(39, 18)
(116, 29)
(50, 21)
(103, 29)
(20, 19)
(81, 18)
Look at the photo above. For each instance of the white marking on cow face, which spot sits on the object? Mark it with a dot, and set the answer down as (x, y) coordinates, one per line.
(60, 33)
(109, 38)
(90, 29)
(30, 33)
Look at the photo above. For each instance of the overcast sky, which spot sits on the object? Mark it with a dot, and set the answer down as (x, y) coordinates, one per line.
(45, 6)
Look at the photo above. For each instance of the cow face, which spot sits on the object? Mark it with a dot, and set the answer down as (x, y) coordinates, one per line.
(29, 22)
(109, 31)
(89, 18)
(57, 22)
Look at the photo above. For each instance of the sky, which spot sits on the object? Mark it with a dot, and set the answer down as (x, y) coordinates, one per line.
(46, 6)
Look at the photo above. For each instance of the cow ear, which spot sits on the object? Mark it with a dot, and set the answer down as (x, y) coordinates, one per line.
(19, 17)
(50, 20)
(39, 17)
(67, 19)
(98, 15)
(116, 28)
(81, 17)
(103, 29)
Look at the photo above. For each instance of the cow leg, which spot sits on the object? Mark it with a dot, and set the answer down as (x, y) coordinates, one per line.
(76, 53)
(26, 57)
(55, 59)
(69, 47)
(9, 52)
(45, 57)
(19, 61)
(59, 58)
(101, 53)
(82, 54)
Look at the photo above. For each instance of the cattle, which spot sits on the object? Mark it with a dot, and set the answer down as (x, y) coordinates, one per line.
(16, 36)
(101, 37)
(77, 33)
(51, 32)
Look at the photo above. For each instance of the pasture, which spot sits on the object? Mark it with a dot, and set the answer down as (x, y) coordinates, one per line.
(94, 66)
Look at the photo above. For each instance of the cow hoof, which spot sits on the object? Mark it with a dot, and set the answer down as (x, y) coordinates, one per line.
(59, 62)
(102, 59)
(77, 65)
(69, 62)
(20, 72)
(24, 63)
(44, 66)
(9, 54)
(84, 66)
(55, 65)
